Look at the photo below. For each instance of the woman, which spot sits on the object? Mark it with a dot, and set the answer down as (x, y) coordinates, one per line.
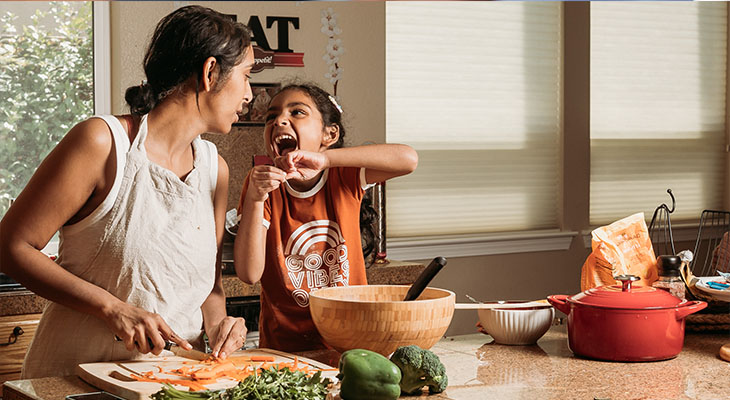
(140, 203)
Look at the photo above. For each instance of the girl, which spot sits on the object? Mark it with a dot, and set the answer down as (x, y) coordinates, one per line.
(140, 201)
(299, 228)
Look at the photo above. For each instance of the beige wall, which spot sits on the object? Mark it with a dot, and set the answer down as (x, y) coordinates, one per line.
(361, 89)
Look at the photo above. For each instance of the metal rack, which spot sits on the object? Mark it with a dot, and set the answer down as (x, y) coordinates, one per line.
(712, 250)
(660, 229)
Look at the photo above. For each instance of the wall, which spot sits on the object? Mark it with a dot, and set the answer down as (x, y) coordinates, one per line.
(361, 89)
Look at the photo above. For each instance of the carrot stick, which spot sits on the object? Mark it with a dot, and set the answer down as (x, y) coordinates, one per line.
(263, 358)
(208, 373)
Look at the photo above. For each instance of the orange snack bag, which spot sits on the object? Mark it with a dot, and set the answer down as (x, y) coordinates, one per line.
(623, 247)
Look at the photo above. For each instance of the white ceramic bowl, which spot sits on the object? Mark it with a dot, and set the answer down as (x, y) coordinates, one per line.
(515, 326)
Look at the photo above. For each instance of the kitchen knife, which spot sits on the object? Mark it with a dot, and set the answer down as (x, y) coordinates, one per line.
(426, 276)
(177, 350)
(181, 352)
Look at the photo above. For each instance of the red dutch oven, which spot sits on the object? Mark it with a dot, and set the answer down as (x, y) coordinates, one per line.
(625, 322)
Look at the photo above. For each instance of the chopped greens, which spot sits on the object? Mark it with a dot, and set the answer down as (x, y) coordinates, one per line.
(266, 384)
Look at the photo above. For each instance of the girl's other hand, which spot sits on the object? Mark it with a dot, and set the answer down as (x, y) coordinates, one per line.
(302, 164)
(142, 330)
(264, 179)
(229, 336)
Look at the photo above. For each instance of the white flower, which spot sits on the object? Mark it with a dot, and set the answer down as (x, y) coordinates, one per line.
(330, 58)
(330, 30)
(328, 13)
(329, 21)
(334, 74)
(334, 46)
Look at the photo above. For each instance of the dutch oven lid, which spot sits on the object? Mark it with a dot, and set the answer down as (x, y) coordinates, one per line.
(626, 296)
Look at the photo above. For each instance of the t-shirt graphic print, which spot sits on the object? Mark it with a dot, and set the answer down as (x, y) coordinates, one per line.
(312, 242)
(316, 256)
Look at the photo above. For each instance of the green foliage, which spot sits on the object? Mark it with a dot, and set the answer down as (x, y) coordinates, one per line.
(265, 384)
(46, 86)
(273, 384)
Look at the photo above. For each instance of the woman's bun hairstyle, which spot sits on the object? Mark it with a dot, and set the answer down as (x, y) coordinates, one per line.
(181, 43)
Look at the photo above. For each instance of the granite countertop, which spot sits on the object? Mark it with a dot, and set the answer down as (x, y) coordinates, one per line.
(480, 369)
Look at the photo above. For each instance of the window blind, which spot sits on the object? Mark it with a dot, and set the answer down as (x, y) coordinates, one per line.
(657, 108)
(474, 87)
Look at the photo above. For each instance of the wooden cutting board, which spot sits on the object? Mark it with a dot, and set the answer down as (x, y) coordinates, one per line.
(114, 377)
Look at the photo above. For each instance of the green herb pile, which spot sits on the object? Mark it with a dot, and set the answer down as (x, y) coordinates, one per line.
(269, 384)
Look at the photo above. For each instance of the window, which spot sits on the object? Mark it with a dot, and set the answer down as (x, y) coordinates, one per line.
(488, 137)
(657, 108)
(478, 88)
(48, 81)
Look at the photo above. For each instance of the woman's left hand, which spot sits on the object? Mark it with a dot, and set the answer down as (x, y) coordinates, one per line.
(301, 164)
(228, 336)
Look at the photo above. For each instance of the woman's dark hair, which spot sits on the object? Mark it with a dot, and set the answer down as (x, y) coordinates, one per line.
(181, 43)
(326, 104)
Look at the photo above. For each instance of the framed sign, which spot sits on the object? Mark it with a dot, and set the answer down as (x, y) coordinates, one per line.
(254, 112)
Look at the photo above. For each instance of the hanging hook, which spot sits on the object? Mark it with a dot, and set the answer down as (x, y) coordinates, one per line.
(673, 202)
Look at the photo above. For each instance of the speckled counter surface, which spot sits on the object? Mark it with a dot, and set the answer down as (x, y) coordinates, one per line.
(480, 369)
(393, 273)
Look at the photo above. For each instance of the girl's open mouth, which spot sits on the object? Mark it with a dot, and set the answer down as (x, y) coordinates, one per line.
(284, 144)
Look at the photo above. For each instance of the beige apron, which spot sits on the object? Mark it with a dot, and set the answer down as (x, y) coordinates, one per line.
(151, 243)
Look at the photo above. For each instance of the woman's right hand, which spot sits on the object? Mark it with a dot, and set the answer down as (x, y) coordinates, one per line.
(142, 330)
(264, 179)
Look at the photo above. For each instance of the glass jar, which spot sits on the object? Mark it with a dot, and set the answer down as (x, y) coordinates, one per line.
(670, 278)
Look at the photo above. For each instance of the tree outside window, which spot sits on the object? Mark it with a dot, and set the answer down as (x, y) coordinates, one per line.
(46, 85)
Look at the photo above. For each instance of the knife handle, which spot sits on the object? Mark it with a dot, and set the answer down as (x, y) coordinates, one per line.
(168, 344)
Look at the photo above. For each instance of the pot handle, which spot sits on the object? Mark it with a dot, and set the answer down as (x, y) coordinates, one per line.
(689, 308)
(559, 301)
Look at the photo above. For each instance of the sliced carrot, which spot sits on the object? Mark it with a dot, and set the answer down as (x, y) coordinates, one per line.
(208, 373)
(263, 358)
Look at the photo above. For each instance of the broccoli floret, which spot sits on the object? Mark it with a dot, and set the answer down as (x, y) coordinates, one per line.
(420, 368)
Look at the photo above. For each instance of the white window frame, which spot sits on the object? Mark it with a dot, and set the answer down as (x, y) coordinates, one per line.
(102, 76)
(102, 58)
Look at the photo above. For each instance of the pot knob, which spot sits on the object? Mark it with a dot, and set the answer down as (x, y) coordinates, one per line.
(626, 281)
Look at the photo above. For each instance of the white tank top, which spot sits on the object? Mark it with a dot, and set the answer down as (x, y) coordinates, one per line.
(151, 243)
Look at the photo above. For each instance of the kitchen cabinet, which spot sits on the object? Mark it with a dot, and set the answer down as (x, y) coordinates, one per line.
(16, 333)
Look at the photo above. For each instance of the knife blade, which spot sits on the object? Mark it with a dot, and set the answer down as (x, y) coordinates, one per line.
(181, 352)
(177, 350)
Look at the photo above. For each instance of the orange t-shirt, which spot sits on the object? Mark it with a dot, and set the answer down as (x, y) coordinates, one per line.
(313, 241)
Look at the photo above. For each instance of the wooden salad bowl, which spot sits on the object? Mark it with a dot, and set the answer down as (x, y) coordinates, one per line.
(375, 317)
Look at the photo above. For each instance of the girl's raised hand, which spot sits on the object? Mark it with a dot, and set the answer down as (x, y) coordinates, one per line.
(302, 164)
(264, 179)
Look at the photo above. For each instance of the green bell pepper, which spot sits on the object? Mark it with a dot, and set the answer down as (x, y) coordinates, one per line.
(367, 375)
